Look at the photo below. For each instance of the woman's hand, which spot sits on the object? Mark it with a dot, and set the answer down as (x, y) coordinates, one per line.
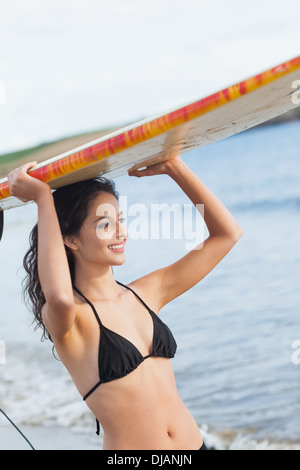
(162, 168)
(26, 187)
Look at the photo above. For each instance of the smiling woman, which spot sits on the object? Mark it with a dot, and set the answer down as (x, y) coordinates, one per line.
(72, 205)
(107, 334)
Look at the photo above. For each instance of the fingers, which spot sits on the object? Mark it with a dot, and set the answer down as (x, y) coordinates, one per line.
(32, 164)
(151, 170)
(137, 173)
(17, 178)
(24, 168)
(140, 172)
(27, 166)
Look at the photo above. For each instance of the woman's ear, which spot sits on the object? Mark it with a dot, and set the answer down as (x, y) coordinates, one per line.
(71, 243)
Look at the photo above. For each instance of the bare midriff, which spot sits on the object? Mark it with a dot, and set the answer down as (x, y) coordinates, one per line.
(143, 410)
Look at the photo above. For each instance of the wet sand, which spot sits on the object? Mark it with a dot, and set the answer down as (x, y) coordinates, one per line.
(43, 438)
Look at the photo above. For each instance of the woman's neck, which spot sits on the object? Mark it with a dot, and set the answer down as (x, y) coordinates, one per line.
(96, 283)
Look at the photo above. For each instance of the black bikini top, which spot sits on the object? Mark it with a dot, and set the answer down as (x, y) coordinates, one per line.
(118, 357)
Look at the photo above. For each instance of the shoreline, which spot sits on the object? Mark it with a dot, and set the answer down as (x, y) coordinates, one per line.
(59, 438)
(44, 438)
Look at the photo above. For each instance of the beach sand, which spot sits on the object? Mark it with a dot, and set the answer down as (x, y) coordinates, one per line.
(43, 438)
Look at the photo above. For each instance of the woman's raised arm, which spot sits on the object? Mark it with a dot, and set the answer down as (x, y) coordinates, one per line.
(224, 231)
(53, 269)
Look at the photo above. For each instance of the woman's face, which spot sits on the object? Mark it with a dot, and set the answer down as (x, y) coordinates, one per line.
(103, 234)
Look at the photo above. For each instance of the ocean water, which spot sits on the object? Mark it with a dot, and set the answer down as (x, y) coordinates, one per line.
(238, 361)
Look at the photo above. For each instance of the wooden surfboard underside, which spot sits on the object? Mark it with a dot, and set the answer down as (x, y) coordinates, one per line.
(223, 114)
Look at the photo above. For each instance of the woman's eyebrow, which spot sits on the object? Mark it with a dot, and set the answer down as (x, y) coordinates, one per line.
(106, 216)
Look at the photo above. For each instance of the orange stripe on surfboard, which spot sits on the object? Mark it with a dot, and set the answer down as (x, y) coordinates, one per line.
(155, 127)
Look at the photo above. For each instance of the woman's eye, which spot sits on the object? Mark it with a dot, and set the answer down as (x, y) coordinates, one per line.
(103, 225)
(106, 224)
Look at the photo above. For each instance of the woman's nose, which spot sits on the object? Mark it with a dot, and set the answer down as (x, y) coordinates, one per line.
(121, 231)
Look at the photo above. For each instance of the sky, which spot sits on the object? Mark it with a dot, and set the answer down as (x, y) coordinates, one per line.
(70, 66)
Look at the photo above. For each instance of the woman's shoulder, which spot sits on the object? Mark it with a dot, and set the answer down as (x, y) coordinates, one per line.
(147, 288)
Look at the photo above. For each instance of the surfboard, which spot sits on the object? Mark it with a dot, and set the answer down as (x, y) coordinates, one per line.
(194, 125)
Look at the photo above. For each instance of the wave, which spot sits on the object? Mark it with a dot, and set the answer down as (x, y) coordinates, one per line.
(230, 439)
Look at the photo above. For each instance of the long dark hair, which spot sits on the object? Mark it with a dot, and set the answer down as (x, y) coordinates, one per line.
(72, 204)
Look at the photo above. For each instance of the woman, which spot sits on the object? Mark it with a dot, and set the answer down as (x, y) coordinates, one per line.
(126, 377)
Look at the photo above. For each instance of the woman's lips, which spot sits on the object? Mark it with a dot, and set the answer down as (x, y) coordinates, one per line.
(117, 247)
